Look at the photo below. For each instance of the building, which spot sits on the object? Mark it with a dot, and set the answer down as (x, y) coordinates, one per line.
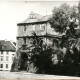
(41, 26)
(38, 24)
(7, 53)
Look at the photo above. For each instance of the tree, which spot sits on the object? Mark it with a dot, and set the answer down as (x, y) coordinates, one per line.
(41, 55)
(64, 20)
(62, 16)
(79, 12)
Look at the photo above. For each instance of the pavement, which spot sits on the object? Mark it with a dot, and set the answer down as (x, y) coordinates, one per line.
(25, 75)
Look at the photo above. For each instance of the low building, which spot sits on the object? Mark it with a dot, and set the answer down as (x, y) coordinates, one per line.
(7, 53)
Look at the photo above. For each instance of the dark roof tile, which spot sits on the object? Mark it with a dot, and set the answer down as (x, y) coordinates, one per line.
(6, 46)
(34, 17)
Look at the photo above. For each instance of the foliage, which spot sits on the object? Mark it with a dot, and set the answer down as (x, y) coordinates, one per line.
(41, 55)
(62, 16)
(64, 20)
(79, 12)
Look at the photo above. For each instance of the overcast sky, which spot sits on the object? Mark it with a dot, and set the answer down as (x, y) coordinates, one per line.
(13, 12)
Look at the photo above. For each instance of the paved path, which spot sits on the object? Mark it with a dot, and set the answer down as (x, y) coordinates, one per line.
(24, 75)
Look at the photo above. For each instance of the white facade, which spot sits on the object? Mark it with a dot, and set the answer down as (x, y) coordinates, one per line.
(6, 60)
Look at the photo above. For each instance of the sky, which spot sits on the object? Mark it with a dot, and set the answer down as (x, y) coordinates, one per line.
(15, 11)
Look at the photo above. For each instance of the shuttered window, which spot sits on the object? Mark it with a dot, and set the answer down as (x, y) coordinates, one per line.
(40, 27)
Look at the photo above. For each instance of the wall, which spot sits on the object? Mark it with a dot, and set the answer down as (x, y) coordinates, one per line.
(40, 29)
(29, 29)
(20, 30)
(51, 30)
(20, 42)
(10, 56)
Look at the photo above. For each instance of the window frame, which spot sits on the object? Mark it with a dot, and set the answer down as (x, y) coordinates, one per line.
(42, 27)
(1, 52)
(25, 28)
(7, 66)
(1, 65)
(7, 58)
(7, 52)
(1, 58)
(33, 27)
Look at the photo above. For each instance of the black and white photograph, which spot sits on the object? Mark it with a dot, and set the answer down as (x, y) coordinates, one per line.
(39, 39)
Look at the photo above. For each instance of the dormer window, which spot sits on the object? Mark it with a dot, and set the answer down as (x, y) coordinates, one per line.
(32, 16)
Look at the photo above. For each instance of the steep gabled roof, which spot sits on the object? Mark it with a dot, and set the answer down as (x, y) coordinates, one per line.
(14, 43)
(6, 46)
(46, 18)
(35, 18)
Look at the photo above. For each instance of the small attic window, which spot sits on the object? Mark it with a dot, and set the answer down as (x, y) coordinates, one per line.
(32, 16)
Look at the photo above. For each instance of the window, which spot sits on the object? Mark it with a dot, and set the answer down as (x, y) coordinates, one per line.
(24, 28)
(1, 65)
(7, 58)
(1, 52)
(7, 53)
(42, 27)
(12, 54)
(1, 58)
(32, 16)
(37, 27)
(6, 65)
(33, 27)
(12, 58)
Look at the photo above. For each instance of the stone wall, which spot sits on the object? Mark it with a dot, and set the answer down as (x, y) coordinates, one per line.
(27, 30)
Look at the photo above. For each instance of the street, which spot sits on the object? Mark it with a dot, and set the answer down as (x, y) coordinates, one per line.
(24, 75)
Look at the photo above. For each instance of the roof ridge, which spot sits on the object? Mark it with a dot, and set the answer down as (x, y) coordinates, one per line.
(46, 15)
(13, 44)
(35, 13)
(35, 17)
